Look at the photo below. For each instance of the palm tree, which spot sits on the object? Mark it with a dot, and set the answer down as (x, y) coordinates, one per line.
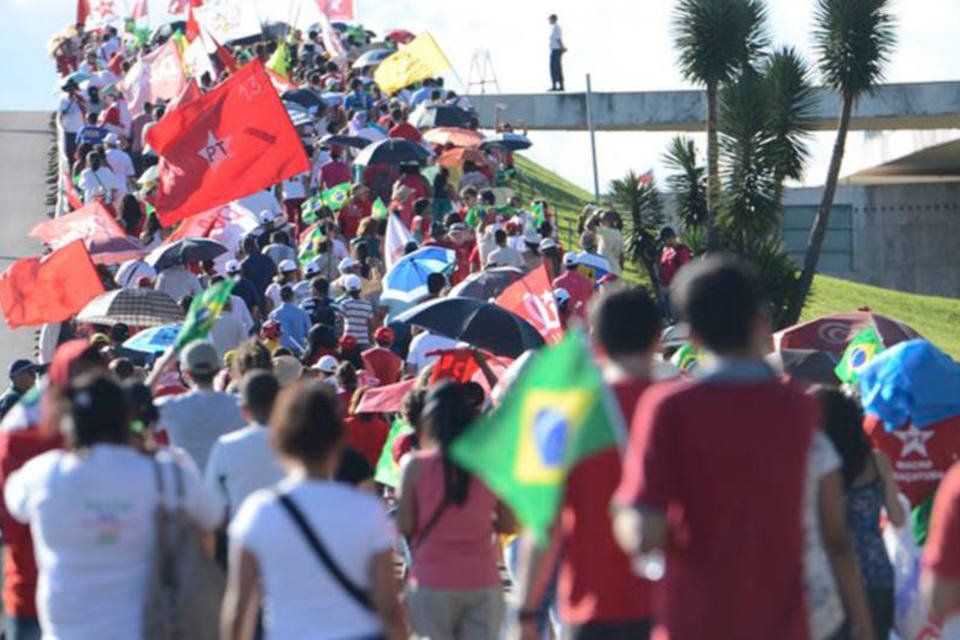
(687, 183)
(853, 40)
(640, 199)
(717, 38)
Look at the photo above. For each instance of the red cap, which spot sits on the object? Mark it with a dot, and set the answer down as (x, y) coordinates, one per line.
(348, 343)
(384, 335)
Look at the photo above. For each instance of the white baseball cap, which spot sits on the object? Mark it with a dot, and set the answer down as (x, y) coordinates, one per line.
(266, 216)
(346, 263)
(311, 269)
(326, 364)
(287, 266)
(570, 259)
(561, 295)
(353, 282)
(233, 267)
(548, 243)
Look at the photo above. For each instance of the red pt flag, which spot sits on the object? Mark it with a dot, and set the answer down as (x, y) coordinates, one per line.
(228, 143)
(35, 291)
(532, 299)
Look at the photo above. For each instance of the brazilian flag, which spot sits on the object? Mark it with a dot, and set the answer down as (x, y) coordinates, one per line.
(539, 215)
(310, 208)
(475, 216)
(558, 413)
(860, 352)
(336, 197)
(310, 245)
(379, 210)
(203, 312)
(686, 359)
(388, 471)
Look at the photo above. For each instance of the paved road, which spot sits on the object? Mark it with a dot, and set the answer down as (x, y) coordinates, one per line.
(25, 139)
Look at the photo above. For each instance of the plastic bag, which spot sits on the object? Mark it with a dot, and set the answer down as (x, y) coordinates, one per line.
(912, 618)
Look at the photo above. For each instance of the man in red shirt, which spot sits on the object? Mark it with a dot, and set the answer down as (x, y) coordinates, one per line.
(579, 286)
(598, 594)
(379, 360)
(410, 177)
(941, 555)
(403, 129)
(333, 172)
(715, 473)
(359, 208)
(673, 258)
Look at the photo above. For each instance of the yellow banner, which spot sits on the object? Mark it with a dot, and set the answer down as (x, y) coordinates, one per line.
(418, 60)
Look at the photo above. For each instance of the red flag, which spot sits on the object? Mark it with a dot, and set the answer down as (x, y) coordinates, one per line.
(140, 9)
(97, 12)
(337, 9)
(74, 201)
(223, 54)
(458, 365)
(280, 83)
(532, 299)
(646, 178)
(231, 142)
(106, 242)
(387, 399)
(83, 10)
(156, 76)
(190, 92)
(177, 6)
(34, 291)
(193, 27)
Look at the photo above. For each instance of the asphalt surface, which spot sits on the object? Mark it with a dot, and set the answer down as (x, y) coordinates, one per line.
(25, 139)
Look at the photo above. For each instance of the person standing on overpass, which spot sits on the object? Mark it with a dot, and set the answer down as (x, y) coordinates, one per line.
(556, 53)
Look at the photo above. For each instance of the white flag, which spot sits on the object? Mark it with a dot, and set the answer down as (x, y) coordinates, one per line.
(396, 240)
(228, 20)
(197, 60)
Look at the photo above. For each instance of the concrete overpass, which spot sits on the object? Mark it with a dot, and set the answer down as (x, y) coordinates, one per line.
(922, 105)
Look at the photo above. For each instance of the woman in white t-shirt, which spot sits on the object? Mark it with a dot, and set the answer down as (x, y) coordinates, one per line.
(273, 563)
(91, 515)
(97, 177)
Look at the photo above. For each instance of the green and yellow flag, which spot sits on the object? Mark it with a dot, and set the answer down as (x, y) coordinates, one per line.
(203, 313)
(539, 215)
(686, 359)
(860, 352)
(309, 247)
(310, 208)
(388, 471)
(336, 197)
(558, 413)
(379, 211)
(279, 62)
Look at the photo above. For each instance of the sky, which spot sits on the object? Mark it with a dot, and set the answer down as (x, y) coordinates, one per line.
(625, 45)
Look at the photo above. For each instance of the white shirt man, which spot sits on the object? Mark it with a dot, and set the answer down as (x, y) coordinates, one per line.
(120, 163)
(424, 344)
(177, 282)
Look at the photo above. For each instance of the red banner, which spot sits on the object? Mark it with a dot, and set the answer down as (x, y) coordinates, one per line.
(388, 399)
(458, 365)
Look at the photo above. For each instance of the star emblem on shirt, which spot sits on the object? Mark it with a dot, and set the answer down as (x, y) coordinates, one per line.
(215, 150)
(914, 441)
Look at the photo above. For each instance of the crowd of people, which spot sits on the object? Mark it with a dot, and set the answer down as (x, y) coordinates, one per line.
(742, 505)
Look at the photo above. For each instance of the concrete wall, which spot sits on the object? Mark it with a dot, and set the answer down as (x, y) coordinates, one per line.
(905, 237)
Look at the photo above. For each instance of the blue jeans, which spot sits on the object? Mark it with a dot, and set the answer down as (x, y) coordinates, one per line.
(17, 628)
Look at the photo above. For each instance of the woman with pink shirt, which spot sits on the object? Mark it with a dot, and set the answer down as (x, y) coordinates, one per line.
(451, 521)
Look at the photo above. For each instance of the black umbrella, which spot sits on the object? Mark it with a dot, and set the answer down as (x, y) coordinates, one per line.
(392, 151)
(478, 323)
(441, 115)
(486, 284)
(339, 140)
(167, 30)
(134, 307)
(807, 365)
(184, 251)
(303, 97)
(508, 141)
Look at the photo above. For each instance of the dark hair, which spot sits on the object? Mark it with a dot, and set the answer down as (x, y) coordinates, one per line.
(500, 236)
(719, 296)
(122, 368)
(130, 212)
(305, 422)
(488, 197)
(98, 412)
(412, 406)
(286, 293)
(251, 355)
(435, 283)
(626, 322)
(446, 413)
(347, 376)
(320, 287)
(259, 392)
(140, 403)
(842, 421)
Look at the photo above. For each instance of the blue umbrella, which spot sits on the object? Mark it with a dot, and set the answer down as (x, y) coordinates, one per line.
(407, 280)
(154, 340)
(911, 382)
(508, 141)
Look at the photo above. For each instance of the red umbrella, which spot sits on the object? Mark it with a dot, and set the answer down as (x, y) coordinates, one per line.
(400, 36)
(457, 136)
(834, 332)
(456, 157)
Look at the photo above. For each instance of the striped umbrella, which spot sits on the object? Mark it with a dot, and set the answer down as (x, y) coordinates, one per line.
(133, 307)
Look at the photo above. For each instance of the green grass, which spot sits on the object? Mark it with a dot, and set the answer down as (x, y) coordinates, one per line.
(937, 319)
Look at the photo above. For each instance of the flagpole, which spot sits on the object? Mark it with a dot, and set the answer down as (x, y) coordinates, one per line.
(593, 141)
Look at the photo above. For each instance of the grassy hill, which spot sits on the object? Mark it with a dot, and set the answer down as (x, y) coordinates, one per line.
(937, 319)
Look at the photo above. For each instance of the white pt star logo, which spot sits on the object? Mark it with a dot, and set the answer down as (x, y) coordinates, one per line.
(105, 8)
(214, 151)
(914, 441)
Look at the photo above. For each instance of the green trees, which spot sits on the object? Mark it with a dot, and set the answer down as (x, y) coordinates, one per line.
(854, 40)
(640, 200)
(714, 40)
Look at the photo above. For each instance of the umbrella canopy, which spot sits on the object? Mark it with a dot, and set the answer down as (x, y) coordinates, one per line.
(407, 279)
(439, 115)
(508, 141)
(372, 58)
(115, 250)
(299, 116)
(806, 366)
(399, 36)
(154, 339)
(333, 98)
(487, 284)
(134, 307)
(184, 251)
(167, 30)
(76, 76)
(304, 97)
(338, 140)
(456, 136)
(456, 157)
(834, 332)
(477, 323)
(392, 151)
